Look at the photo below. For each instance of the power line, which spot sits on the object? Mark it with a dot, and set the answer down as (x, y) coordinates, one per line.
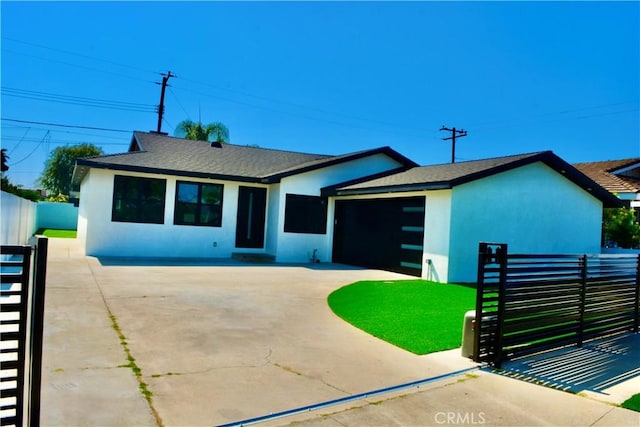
(133, 67)
(60, 141)
(534, 118)
(179, 103)
(77, 100)
(67, 132)
(305, 107)
(19, 142)
(54, 95)
(75, 65)
(290, 113)
(46, 135)
(165, 120)
(64, 125)
(500, 123)
(272, 101)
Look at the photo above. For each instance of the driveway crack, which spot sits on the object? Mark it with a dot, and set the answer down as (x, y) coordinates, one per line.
(142, 386)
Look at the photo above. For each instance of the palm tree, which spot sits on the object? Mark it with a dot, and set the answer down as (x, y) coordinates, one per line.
(212, 132)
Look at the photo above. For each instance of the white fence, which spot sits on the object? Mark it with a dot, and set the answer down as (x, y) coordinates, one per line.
(20, 218)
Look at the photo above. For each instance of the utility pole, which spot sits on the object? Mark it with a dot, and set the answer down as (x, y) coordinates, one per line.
(165, 79)
(455, 133)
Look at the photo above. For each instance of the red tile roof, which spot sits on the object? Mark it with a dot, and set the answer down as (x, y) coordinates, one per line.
(604, 173)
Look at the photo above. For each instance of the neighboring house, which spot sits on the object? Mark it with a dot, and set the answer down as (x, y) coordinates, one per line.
(620, 177)
(169, 197)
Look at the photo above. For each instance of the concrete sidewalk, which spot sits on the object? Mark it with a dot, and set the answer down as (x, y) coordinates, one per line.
(219, 344)
(478, 399)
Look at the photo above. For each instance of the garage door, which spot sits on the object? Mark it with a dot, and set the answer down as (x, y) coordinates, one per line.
(380, 233)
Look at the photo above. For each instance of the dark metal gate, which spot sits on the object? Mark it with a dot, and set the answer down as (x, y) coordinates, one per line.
(531, 303)
(23, 274)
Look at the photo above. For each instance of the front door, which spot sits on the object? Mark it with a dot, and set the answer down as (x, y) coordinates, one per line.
(252, 202)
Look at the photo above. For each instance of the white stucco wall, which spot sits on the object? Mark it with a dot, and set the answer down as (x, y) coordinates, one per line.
(534, 209)
(106, 238)
(299, 247)
(63, 216)
(435, 263)
(103, 237)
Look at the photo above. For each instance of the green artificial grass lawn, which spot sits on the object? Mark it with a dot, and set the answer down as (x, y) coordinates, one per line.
(632, 403)
(50, 232)
(417, 315)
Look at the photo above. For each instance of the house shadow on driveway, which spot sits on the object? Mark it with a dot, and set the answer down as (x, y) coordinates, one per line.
(606, 369)
(108, 261)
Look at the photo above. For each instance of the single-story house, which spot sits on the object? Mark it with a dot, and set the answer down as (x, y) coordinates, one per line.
(170, 197)
(620, 177)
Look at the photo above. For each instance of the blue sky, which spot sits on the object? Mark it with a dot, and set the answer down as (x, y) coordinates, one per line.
(326, 77)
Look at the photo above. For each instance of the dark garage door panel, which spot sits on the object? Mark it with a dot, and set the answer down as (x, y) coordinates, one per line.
(380, 233)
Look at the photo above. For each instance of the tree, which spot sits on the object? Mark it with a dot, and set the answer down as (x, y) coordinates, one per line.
(58, 198)
(8, 187)
(212, 132)
(56, 177)
(5, 157)
(621, 226)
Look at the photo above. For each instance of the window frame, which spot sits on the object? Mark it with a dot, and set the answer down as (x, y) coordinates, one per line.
(118, 214)
(177, 220)
(305, 214)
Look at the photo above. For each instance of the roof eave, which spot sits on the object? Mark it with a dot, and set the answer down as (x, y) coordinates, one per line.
(404, 161)
(556, 163)
(405, 188)
(171, 172)
(501, 168)
(633, 164)
(79, 173)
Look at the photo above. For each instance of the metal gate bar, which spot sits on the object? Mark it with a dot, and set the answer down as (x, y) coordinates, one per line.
(15, 271)
(22, 292)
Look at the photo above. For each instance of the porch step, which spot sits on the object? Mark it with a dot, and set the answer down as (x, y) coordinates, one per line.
(254, 258)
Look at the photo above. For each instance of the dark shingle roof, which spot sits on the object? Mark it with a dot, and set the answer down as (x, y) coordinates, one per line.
(604, 173)
(156, 153)
(447, 176)
(438, 176)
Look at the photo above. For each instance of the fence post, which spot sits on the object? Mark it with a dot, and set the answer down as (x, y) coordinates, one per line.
(484, 254)
(583, 297)
(482, 261)
(501, 258)
(37, 329)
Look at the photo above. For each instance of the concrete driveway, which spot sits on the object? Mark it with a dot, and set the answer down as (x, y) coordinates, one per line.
(215, 344)
(223, 343)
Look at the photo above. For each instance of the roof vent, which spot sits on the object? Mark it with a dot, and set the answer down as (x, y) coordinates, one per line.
(216, 144)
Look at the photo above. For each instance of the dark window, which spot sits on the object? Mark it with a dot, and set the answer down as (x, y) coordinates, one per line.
(138, 199)
(198, 204)
(305, 214)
